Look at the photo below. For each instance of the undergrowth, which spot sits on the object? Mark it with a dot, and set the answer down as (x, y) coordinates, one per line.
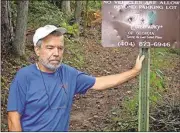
(40, 14)
(162, 113)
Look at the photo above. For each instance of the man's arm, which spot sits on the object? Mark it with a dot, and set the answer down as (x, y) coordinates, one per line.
(111, 81)
(14, 123)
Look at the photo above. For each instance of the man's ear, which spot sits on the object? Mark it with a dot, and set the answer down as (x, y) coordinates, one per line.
(36, 49)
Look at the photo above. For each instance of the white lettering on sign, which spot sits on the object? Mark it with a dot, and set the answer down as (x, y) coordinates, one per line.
(137, 27)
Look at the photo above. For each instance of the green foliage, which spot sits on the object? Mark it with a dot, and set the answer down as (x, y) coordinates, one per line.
(161, 58)
(156, 80)
(174, 51)
(72, 29)
(42, 13)
(94, 4)
(157, 86)
(3, 81)
(74, 54)
(122, 120)
(126, 119)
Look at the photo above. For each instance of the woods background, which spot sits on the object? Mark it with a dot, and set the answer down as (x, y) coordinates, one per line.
(112, 110)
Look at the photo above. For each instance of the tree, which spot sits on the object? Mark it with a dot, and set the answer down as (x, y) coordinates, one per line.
(77, 15)
(6, 25)
(21, 25)
(78, 10)
(85, 15)
(66, 8)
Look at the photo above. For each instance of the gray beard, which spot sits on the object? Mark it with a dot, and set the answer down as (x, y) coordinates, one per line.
(49, 66)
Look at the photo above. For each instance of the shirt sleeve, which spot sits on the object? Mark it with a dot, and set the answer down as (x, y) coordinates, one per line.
(17, 95)
(84, 82)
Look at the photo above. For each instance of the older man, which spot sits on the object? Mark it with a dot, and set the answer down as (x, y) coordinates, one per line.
(41, 94)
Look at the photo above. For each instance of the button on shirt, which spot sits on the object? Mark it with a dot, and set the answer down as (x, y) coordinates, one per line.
(44, 100)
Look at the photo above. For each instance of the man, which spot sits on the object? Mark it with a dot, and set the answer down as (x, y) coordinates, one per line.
(41, 94)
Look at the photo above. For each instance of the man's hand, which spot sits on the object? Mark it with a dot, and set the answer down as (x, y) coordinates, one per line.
(138, 64)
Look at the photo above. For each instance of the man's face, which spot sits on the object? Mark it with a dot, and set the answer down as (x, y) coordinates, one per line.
(51, 52)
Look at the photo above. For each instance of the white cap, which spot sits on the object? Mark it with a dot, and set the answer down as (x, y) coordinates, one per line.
(45, 31)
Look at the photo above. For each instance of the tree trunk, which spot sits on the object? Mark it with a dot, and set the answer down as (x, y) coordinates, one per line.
(77, 12)
(21, 25)
(77, 15)
(65, 6)
(85, 15)
(6, 25)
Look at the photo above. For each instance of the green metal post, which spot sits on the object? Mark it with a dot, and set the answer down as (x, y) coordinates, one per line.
(143, 121)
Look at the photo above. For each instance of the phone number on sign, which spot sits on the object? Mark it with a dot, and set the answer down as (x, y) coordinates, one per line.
(145, 44)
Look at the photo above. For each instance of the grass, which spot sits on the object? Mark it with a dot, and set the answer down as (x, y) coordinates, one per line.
(126, 118)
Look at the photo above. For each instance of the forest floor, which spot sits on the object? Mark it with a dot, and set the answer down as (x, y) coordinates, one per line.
(92, 111)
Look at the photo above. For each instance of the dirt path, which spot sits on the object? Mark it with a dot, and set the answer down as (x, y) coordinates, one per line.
(90, 111)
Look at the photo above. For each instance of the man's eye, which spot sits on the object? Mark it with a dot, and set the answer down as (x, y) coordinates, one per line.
(60, 48)
(49, 48)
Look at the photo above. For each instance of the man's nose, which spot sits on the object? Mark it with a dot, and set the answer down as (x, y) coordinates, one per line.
(56, 52)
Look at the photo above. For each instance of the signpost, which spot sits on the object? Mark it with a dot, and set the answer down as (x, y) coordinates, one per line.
(143, 119)
(142, 24)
